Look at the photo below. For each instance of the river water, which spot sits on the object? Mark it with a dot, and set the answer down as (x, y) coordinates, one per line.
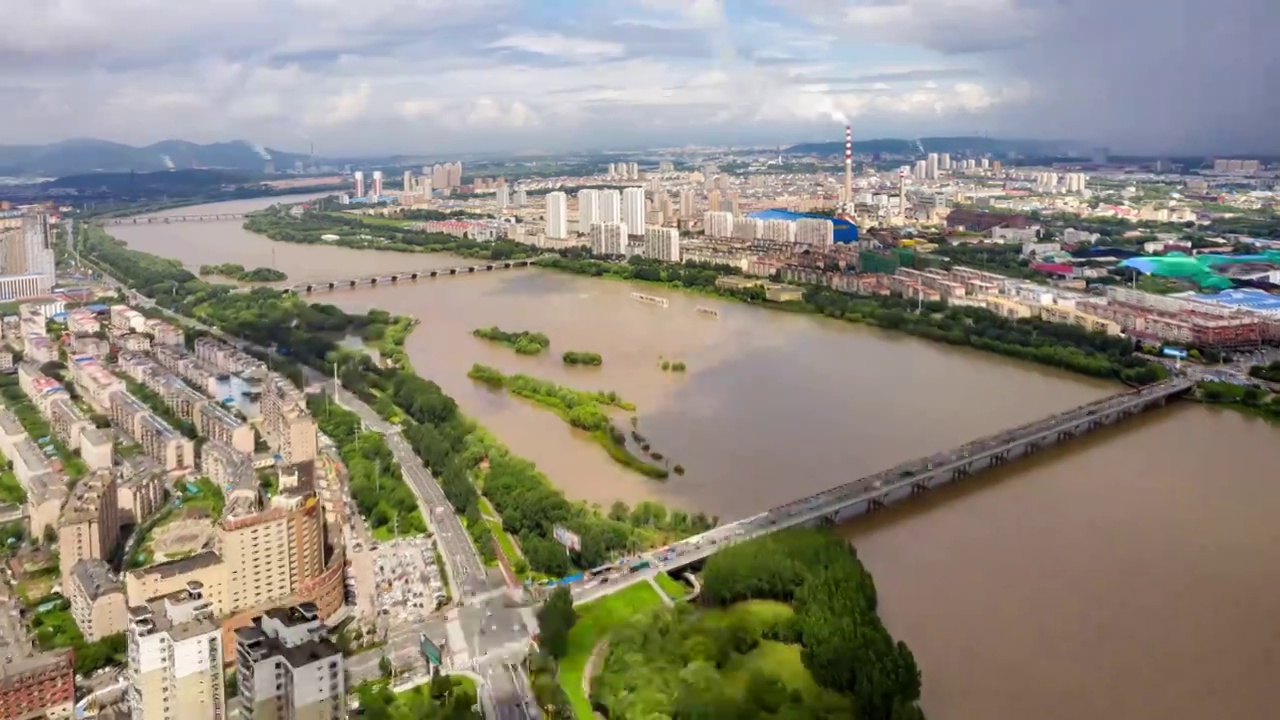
(1133, 574)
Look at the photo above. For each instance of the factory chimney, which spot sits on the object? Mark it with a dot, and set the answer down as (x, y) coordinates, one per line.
(848, 170)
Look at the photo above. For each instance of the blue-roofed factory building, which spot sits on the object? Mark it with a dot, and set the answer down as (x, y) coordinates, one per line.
(845, 231)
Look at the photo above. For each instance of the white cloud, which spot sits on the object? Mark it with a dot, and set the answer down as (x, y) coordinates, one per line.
(421, 75)
(555, 45)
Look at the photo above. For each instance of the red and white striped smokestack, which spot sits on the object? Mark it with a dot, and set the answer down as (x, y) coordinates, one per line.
(848, 168)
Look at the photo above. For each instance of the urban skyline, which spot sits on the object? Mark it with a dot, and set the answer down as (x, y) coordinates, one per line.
(508, 75)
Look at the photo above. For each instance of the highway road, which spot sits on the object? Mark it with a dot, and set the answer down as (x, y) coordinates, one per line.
(467, 575)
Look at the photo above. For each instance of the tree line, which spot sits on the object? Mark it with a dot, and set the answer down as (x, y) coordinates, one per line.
(844, 644)
(523, 342)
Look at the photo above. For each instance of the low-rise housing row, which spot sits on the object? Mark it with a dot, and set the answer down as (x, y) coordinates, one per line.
(83, 320)
(224, 357)
(158, 439)
(95, 382)
(35, 472)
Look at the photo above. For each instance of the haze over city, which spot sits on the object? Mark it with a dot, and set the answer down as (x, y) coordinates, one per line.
(426, 75)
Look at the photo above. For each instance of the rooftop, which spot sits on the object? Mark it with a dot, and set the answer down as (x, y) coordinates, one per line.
(95, 577)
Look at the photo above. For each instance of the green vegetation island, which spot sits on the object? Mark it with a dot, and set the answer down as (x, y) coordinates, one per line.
(238, 272)
(323, 218)
(672, 366)
(578, 357)
(580, 408)
(784, 626)
(524, 342)
(471, 465)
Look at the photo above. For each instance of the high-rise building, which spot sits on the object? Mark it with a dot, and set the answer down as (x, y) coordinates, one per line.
(455, 174)
(407, 183)
(439, 176)
(26, 256)
(921, 170)
(521, 198)
(931, 166)
(557, 215)
(377, 184)
(175, 658)
(609, 238)
(713, 201)
(359, 178)
(944, 161)
(815, 231)
(633, 172)
(717, 224)
(503, 196)
(633, 209)
(89, 526)
(688, 203)
(783, 231)
(588, 209)
(662, 243)
(287, 667)
(286, 419)
(610, 206)
(747, 228)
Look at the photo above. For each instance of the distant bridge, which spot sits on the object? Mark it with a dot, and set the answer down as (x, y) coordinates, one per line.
(401, 277)
(888, 487)
(167, 219)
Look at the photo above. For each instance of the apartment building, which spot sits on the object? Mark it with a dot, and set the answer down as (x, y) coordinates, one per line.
(717, 224)
(83, 321)
(217, 423)
(159, 440)
(163, 333)
(184, 400)
(287, 420)
(45, 490)
(97, 448)
(124, 319)
(288, 667)
(90, 346)
(662, 243)
(89, 526)
(141, 494)
(135, 342)
(38, 686)
(224, 357)
(39, 349)
(818, 232)
(186, 366)
(226, 466)
(175, 658)
(67, 421)
(97, 600)
(608, 238)
(37, 386)
(96, 383)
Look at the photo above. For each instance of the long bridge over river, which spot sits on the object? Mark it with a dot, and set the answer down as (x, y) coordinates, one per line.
(887, 487)
(352, 283)
(168, 219)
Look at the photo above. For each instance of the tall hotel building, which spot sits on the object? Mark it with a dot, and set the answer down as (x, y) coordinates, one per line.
(557, 216)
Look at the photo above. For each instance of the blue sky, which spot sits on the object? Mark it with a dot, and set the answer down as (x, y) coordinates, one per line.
(433, 76)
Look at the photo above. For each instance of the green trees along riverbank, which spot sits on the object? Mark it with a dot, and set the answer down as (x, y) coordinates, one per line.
(785, 627)
(524, 342)
(238, 272)
(577, 357)
(310, 227)
(581, 409)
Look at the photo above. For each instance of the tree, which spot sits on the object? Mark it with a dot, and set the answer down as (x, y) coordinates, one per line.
(440, 685)
(556, 618)
(50, 535)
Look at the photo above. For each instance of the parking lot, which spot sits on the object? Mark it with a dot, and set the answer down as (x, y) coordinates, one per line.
(408, 584)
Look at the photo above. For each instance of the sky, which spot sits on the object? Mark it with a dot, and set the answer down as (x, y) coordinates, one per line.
(432, 76)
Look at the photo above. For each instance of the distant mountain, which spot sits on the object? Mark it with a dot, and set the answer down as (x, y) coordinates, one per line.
(953, 145)
(82, 156)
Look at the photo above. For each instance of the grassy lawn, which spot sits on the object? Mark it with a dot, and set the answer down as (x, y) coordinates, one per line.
(495, 526)
(595, 620)
(672, 587)
(34, 588)
(777, 660)
(762, 614)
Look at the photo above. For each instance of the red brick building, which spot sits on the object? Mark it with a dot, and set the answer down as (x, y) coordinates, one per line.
(37, 686)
